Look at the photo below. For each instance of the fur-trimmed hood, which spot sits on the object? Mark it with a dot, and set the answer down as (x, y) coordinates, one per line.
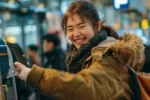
(128, 51)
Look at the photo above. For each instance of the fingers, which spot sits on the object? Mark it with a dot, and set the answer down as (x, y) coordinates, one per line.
(19, 66)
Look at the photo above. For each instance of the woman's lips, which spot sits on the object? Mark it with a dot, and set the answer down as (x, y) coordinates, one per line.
(80, 41)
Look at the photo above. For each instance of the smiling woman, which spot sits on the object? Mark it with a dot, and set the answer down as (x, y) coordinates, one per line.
(79, 32)
(97, 60)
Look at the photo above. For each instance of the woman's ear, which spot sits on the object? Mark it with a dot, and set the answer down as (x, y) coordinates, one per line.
(99, 24)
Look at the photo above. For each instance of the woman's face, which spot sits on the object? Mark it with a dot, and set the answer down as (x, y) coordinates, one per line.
(79, 32)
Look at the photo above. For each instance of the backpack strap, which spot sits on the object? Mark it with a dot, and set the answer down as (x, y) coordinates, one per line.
(134, 84)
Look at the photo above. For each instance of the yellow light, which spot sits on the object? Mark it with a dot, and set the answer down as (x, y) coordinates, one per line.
(144, 24)
(11, 39)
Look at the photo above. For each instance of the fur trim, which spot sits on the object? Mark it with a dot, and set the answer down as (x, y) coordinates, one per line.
(129, 51)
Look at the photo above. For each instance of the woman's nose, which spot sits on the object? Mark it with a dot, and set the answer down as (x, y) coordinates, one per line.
(77, 32)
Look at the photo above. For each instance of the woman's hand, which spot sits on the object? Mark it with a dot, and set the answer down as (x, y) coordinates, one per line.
(19, 67)
(22, 70)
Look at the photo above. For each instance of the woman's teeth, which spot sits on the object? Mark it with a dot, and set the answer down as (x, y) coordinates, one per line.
(80, 40)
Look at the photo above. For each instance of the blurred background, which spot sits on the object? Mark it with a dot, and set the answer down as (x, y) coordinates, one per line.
(26, 21)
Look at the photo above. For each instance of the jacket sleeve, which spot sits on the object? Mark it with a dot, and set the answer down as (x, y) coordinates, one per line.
(65, 86)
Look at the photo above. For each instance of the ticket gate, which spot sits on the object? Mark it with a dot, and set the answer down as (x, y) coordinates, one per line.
(8, 86)
(11, 88)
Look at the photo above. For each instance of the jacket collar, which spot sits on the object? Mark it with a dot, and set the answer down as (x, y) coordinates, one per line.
(128, 51)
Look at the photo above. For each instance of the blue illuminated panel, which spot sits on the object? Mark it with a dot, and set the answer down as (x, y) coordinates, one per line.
(121, 4)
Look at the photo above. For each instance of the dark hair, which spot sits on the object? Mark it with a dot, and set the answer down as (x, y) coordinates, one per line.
(52, 38)
(33, 48)
(84, 10)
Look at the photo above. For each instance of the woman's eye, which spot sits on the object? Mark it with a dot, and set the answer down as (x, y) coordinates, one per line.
(69, 30)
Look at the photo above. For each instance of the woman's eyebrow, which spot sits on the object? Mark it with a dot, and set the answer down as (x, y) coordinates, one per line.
(70, 26)
(80, 23)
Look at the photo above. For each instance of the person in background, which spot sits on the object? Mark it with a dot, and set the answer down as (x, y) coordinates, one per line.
(55, 57)
(97, 60)
(32, 53)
